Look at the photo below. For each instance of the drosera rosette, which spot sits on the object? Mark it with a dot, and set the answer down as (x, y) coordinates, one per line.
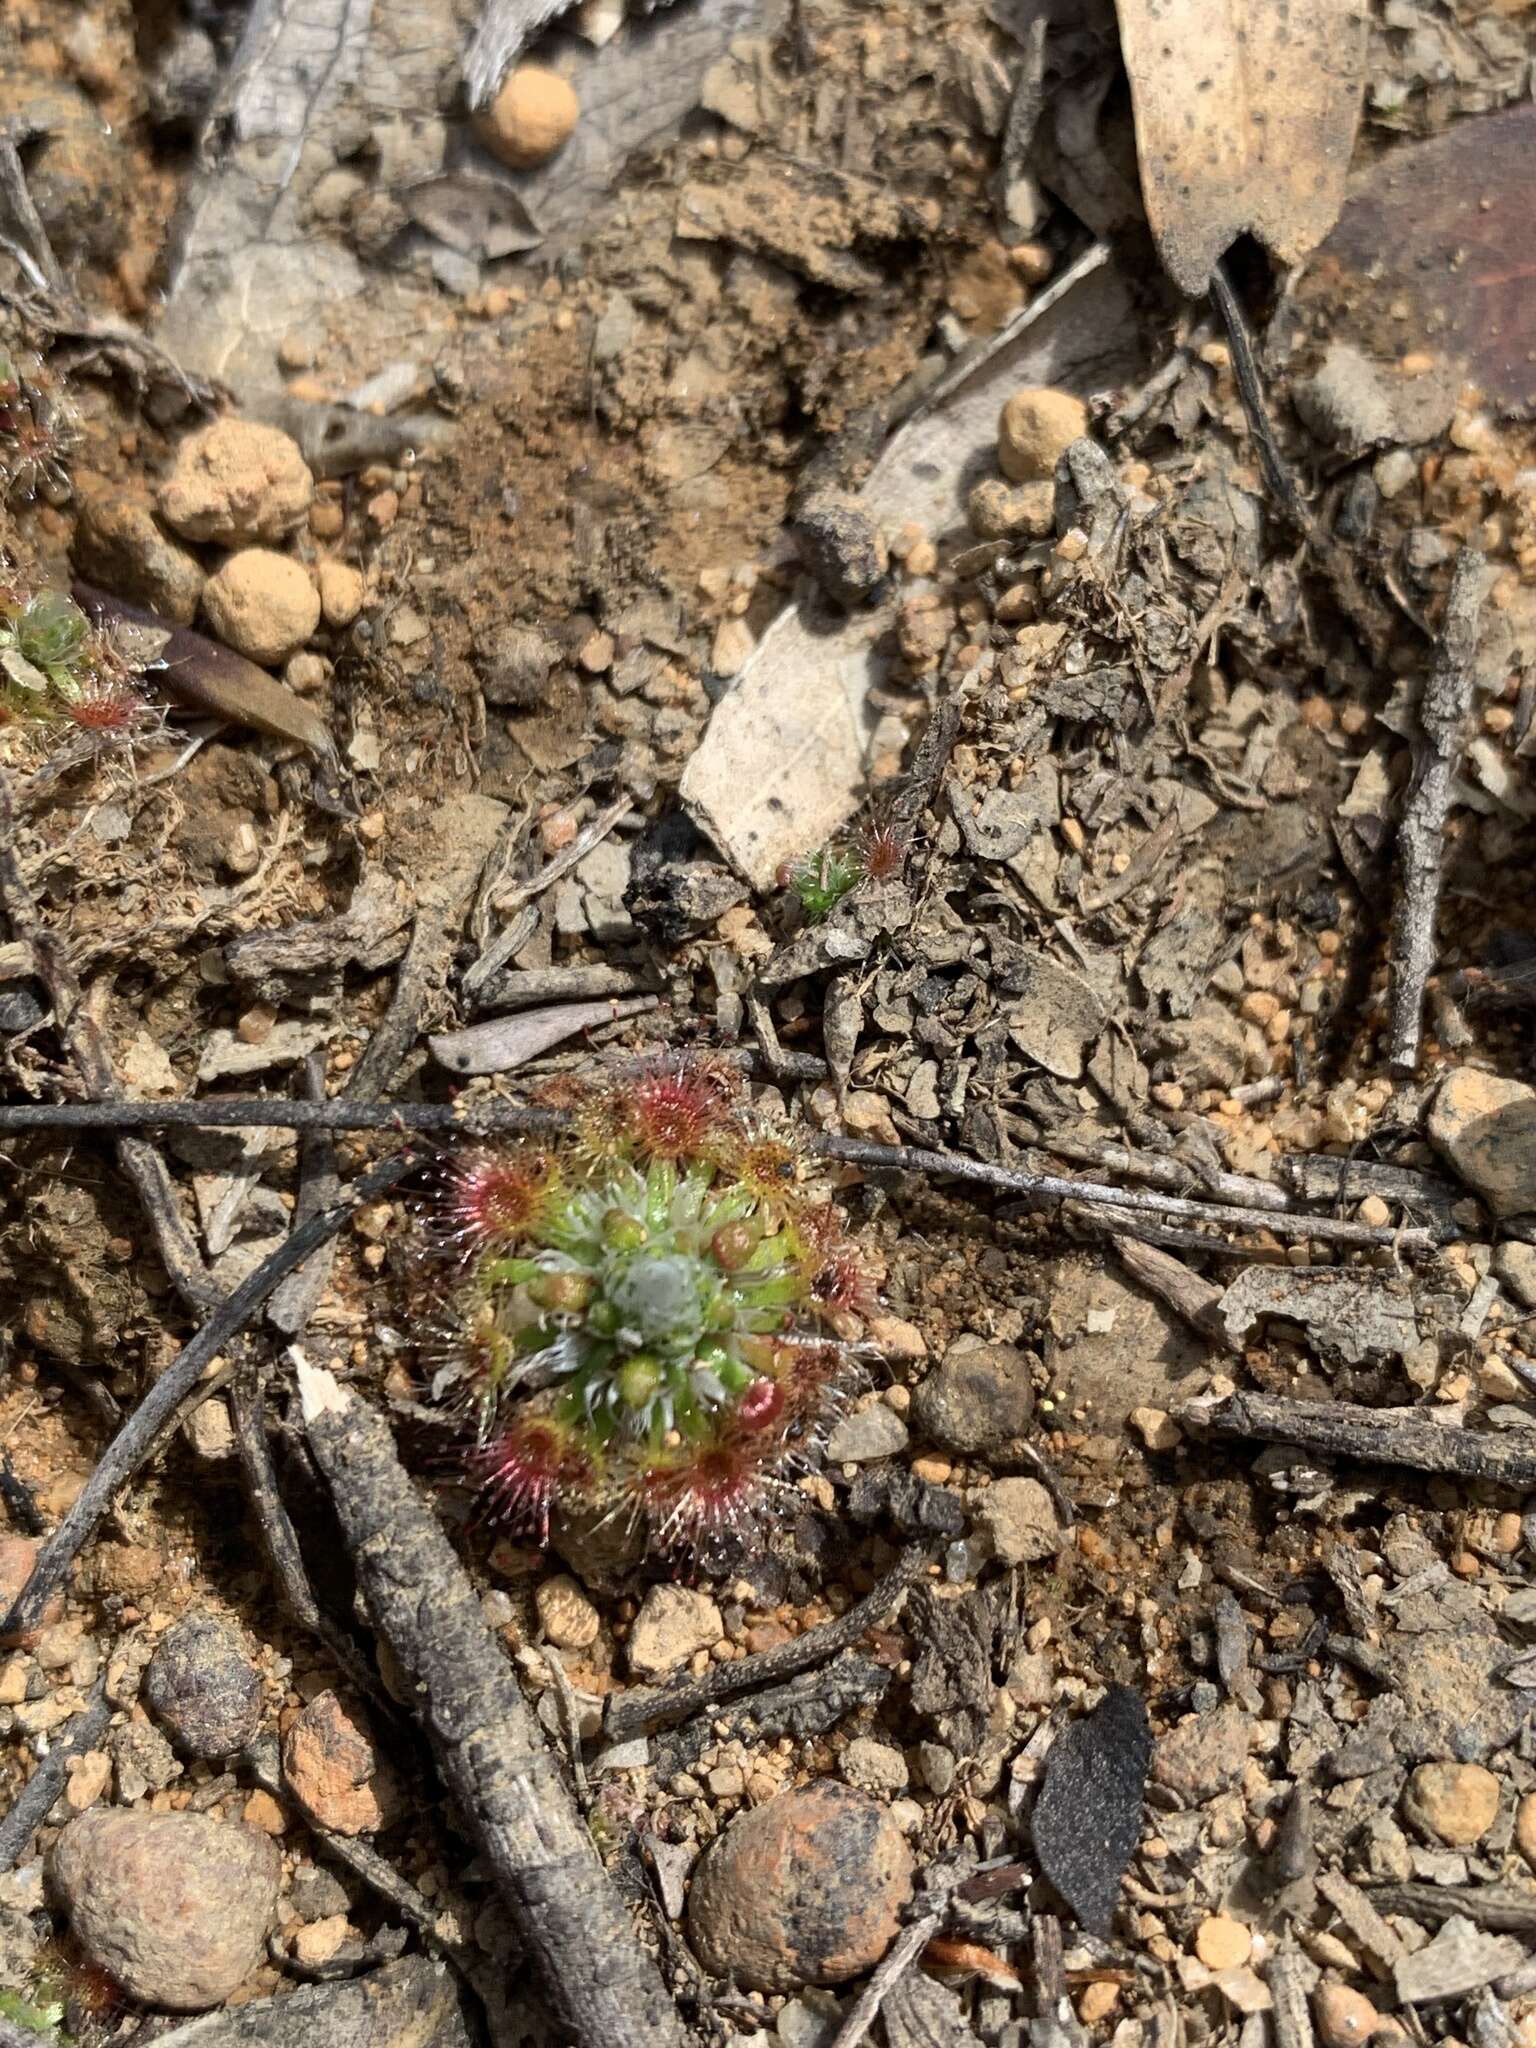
(820, 881)
(58, 670)
(653, 1316)
(37, 430)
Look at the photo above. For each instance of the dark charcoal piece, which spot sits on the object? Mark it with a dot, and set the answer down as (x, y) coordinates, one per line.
(1088, 1816)
(675, 890)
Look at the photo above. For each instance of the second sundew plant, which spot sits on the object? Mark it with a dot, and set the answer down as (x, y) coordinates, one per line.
(654, 1315)
(57, 669)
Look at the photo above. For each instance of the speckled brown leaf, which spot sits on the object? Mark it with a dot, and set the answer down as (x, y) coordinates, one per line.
(1245, 117)
(1434, 249)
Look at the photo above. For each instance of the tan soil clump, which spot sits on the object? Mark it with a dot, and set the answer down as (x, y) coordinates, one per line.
(237, 482)
(262, 604)
(531, 117)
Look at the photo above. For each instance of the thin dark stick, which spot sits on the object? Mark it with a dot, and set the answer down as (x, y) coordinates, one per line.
(1377, 1436)
(464, 1119)
(601, 1984)
(82, 1039)
(645, 1707)
(491, 1118)
(358, 1856)
(34, 1802)
(159, 1411)
(1277, 476)
(1363, 606)
(280, 1539)
(1421, 835)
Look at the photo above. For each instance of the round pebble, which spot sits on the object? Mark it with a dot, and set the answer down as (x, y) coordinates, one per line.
(174, 1906)
(1221, 1943)
(1525, 1828)
(1456, 1803)
(262, 605)
(341, 591)
(567, 1616)
(203, 1689)
(237, 483)
(1344, 2017)
(806, 1889)
(979, 1398)
(1035, 429)
(531, 117)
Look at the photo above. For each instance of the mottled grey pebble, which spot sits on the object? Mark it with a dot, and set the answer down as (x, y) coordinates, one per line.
(204, 1688)
(979, 1398)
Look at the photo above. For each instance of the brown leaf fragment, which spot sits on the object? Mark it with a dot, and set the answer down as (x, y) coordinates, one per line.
(1245, 118)
(202, 675)
(1434, 245)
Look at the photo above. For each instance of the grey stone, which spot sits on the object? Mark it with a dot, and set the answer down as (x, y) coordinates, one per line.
(1515, 1265)
(1485, 1126)
(842, 548)
(1203, 1756)
(204, 1688)
(316, 1894)
(1020, 1518)
(1346, 402)
(868, 1433)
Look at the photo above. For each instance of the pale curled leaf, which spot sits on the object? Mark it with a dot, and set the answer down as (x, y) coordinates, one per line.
(1245, 117)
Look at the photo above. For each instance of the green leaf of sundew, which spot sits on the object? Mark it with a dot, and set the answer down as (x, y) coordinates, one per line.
(51, 629)
(660, 1187)
(34, 2019)
(510, 1272)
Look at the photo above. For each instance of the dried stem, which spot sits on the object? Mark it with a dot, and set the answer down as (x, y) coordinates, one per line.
(1379, 1436)
(645, 1707)
(1421, 835)
(490, 1118)
(85, 1045)
(598, 1979)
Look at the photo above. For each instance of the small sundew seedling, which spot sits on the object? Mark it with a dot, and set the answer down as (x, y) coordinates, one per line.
(36, 431)
(653, 1316)
(56, 668)
(821, 880)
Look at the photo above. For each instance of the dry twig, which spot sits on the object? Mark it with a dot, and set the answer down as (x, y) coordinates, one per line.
(1421, 835)
(34, 1802)
(488, 1118)
(894, 1964)
(599, 1981)
(82, 1039)
(644, 1707)
(1380, 1436)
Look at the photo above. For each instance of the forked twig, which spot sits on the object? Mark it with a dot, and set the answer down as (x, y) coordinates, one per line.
(160, 1410)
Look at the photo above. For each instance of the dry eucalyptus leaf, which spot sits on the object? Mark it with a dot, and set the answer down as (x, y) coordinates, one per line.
(206, 676)
(1245, 118)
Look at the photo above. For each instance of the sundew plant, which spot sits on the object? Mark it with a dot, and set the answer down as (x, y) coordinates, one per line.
(652, 1316)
